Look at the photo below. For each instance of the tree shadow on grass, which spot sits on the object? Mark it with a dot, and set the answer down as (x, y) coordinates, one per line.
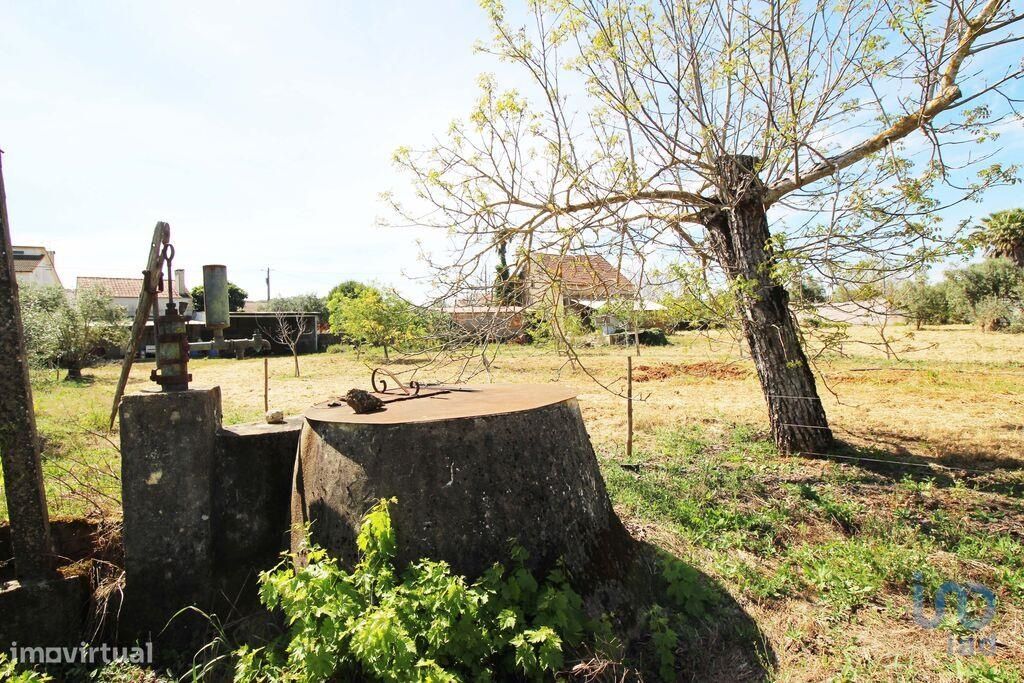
(81, 381)
(718, 639)
(982, 471)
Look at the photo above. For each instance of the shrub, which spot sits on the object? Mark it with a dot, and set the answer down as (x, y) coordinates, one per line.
(425, 624)
(335, 348)
(992, 314)
(925, 304)
(992, 278)
(653, 337)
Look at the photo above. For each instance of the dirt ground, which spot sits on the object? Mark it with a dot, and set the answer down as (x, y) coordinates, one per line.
(822, 555)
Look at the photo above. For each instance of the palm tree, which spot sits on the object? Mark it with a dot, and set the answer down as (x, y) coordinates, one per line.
(1002, 234)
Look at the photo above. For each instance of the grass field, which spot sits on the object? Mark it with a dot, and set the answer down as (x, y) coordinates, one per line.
(822, 554)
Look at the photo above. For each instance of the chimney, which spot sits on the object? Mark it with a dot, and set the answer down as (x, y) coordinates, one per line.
(179, 282)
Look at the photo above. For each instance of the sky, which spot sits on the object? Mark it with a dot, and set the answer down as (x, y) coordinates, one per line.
(261, 132)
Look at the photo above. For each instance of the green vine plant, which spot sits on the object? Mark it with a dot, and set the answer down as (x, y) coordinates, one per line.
(427, 624)
(11, 672)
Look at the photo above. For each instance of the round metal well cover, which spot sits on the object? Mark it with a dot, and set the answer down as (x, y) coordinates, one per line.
(462, 401)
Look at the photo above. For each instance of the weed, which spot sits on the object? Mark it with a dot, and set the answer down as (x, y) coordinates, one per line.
(752, 580)
(981, 671)
(848, 574)
(1004, 553)
(843, 513)
(11, 671)
(705, 505)
(683, 443)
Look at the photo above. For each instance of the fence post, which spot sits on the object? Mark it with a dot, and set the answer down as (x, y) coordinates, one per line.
(19, 448)
(629, 407)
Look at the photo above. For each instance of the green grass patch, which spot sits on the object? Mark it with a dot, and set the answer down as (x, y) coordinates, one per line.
(707, 504)
(847, 574)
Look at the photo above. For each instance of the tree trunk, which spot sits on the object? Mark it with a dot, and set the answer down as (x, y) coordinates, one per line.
(74, 373)
(386, 359)
(741, 241)
(295, 357)
(19, 448)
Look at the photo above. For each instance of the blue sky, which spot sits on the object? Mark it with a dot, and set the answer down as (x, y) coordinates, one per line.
(262, 132)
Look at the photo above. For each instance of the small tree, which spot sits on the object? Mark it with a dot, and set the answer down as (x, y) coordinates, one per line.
(925, 304)
(70, 332)
(288, 330)
(348, 289)
(377, 318)
(290, 325)
(1002, 235)
(236, 298)
(41, 326)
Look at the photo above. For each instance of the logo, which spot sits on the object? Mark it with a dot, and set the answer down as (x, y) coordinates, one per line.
(968, 645)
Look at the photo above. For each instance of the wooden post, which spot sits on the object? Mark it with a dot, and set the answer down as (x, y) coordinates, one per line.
(19, 448)
(266, 385)
(629, 407)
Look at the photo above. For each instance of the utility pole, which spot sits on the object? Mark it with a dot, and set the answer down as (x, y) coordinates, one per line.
(19, 448)
(268, 284)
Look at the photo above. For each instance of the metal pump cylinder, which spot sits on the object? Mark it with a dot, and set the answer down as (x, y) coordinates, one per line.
(215, 297)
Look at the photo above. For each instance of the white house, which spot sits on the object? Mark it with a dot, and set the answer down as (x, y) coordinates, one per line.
(124, 291)
(34, 265)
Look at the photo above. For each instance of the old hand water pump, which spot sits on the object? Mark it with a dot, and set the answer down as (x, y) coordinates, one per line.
(170, 330)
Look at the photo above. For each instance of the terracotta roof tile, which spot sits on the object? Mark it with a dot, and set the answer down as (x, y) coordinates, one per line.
(590, 274)
(27, 263)
(121, 287)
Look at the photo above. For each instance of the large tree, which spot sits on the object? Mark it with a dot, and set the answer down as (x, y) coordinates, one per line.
(757, 137)
(236, 298)
(1002, 235)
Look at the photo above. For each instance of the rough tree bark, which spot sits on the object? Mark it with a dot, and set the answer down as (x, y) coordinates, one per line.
(741, 242)
(19, 449)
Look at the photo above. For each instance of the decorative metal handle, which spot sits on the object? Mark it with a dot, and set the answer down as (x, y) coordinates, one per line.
(412, 390)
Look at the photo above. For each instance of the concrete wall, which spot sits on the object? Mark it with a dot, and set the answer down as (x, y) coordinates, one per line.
(252, 493)
(206, 508)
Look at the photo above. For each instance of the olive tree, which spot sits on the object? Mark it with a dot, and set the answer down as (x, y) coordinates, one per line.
(70, 331)
(755, 137)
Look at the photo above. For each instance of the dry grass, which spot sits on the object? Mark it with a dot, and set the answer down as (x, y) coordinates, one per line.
(946, 396)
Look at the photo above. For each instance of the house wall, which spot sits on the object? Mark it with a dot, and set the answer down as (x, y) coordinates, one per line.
(44, 274)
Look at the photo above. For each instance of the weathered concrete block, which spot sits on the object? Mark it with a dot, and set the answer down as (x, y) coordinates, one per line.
(252, 493)
(43, 613)
(168, 455)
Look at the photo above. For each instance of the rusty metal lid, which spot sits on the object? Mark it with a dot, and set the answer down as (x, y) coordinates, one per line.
(459, 402)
